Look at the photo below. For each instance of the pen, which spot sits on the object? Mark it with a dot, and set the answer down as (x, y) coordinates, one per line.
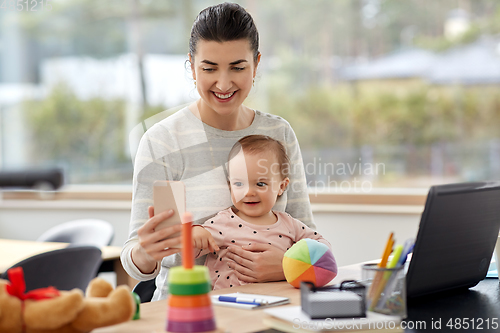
(243, 300)
(408, 247)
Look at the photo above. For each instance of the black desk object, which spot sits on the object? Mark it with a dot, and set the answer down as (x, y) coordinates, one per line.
(32, 178)
(478, 306)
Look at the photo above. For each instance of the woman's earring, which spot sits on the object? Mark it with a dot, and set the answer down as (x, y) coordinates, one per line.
(195, 83)
(253, 82)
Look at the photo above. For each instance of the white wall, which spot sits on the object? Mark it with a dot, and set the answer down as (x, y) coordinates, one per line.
(357, 237)
(21, 220)
(356, 234)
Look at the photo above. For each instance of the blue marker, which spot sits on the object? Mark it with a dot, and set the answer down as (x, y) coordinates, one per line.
(243, 300)
(408, 247)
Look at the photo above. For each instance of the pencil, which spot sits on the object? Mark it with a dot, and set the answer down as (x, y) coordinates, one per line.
(381, 264)
(387, 251)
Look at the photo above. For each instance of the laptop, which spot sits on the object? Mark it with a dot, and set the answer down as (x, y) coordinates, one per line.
(456, 238)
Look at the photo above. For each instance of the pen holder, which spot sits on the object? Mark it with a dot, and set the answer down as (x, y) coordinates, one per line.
(385, 289)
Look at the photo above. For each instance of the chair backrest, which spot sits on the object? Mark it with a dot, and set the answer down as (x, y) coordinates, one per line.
(80, 232)
(64, 269)
(145, 290)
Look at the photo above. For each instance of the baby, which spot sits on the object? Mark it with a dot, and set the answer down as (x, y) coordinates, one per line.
(257, 172)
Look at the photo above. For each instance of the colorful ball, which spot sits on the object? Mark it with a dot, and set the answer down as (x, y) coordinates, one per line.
(309, 260)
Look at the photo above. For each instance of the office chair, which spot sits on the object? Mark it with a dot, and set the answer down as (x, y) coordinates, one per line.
(64, 269)
(145, 290)
(80, 232)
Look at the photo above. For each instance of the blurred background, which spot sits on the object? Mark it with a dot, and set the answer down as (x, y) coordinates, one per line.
(381, 93)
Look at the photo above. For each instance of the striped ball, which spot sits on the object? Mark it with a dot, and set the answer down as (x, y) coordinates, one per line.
(309, 260)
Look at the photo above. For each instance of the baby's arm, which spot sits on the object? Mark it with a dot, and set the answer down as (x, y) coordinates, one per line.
(303, 231)
(203, 240)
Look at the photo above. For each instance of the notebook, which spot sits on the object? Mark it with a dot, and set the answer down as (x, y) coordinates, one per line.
(456, 238)
(293, 319)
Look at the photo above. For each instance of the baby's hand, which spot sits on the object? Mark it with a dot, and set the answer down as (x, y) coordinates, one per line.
(202, 239)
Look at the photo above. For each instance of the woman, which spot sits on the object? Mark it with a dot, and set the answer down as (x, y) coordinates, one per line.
(192, 145)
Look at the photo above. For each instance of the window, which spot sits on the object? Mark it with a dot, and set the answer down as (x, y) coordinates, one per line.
(381, 93)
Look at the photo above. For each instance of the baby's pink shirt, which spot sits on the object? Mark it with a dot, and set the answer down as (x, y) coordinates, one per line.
(228, 229)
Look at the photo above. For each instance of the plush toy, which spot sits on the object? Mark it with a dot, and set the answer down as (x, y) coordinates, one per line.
(49, 310)
(309, 260)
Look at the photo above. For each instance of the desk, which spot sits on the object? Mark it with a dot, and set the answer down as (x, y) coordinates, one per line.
(12, 251)
(479, 303)
(153, 315)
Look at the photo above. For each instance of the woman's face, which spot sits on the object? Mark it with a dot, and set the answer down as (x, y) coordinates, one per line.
(224, 73)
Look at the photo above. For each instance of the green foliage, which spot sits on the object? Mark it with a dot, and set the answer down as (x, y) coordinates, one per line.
(339, 117)
(92, 27)
(76, 132)
(440, 43)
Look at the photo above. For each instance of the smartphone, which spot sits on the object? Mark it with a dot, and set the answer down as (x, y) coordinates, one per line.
(169, 195)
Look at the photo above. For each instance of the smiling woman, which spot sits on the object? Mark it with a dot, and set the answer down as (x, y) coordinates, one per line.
(193, 144)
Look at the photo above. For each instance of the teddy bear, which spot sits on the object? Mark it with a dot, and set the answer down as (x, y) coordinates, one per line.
(65, 311)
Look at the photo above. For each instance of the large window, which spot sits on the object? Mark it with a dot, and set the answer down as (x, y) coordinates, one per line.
(381, 93)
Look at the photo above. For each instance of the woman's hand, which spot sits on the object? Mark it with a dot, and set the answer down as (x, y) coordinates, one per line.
(256, 262)
(203, 239)
(153, 245)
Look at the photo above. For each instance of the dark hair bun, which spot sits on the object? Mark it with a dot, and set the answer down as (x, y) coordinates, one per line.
(223, 23)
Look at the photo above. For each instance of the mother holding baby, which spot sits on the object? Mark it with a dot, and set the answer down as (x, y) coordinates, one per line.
(192, 146)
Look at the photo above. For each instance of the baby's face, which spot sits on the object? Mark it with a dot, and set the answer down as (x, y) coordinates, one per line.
(255, 182)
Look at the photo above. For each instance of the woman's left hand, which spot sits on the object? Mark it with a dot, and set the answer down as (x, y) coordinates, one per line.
(256, 262)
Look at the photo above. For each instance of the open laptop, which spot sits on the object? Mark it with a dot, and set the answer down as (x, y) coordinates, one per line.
(456, 238)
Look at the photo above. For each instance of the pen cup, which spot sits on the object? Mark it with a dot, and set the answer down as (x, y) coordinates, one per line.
(385, 289)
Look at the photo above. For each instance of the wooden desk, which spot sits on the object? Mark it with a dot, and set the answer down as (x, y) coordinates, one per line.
(12, 251)
(479, 306)
(153, 315)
